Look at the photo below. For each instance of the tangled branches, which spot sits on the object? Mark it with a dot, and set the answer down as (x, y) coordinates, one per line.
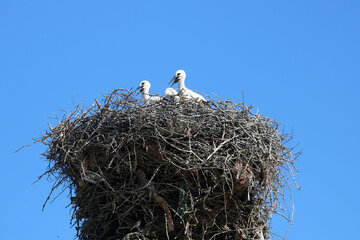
(209, 170)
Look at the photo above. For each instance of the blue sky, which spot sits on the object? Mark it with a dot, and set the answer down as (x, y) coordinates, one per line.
(296, 61)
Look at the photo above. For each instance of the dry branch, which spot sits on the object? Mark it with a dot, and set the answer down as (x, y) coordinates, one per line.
(192, 170)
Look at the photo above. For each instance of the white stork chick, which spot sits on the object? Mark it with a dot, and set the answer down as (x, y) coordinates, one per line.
(144, 89)
(179, 77)
(172, 94)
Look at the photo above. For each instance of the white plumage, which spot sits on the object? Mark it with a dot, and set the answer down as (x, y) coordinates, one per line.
(172, 94)
(147, 98)
(184, 92)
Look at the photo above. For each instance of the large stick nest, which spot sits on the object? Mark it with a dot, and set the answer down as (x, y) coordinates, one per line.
(209, 170)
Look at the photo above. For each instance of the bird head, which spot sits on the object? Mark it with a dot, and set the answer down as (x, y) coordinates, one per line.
(144, 85)
(180, 74)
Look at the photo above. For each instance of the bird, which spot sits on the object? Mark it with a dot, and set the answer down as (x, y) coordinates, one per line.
(144, 89)
(184, 92)
(172, 94)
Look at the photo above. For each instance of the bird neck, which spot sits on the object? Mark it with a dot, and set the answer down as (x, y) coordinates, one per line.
(145, 94)
(181, 85)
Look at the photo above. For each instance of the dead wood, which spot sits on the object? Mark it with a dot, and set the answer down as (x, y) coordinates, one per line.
(211, 170)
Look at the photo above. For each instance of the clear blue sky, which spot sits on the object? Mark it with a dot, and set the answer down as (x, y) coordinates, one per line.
(296, 61)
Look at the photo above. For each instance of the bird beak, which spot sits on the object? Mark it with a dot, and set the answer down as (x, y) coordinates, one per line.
(139, 87)
(173, 80)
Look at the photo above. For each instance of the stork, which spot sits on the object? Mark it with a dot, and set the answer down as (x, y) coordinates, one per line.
(172, 94)
(179, 77)
(144, 89)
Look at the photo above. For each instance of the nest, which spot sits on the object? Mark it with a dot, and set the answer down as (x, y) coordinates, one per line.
(211, 170)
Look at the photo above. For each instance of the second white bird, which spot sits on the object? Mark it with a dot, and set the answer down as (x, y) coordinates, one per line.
(184, 92)
(172, 94)
(147, 98)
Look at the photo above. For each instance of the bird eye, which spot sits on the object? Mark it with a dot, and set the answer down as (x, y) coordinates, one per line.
(178, 74)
